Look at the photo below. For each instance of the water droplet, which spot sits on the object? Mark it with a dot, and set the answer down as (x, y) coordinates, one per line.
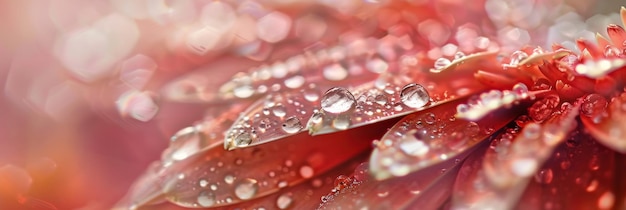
(338, 100)
(430, 118)
(441, 63)
(310, 94)
(229, 179)
(380, 99)
(335, 72)
(593, 105)
(342, 122)
(243, 91)
(243, 139)
(206, 199)
(414, 95)
(520, 90)
(544, 176)
(279, 110)
(294, 82)
(517, 57)
(292, 125)
(203, 182)
(246, 189)
(459, 55)
(284, 201)
(306, 172)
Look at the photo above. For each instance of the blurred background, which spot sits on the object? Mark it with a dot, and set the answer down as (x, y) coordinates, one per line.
(82, 107)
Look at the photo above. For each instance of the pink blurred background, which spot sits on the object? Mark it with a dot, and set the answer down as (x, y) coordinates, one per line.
(62, 125)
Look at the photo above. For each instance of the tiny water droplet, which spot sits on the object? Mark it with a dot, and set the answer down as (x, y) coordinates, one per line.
(520, 90)
(338, 100)
(414, 95)
(246, 189)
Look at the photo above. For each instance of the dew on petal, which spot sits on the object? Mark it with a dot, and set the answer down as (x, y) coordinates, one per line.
(414, 96)
(337, 100)
(284, 201)
(246, 189)
(206, 199)
(292, 125)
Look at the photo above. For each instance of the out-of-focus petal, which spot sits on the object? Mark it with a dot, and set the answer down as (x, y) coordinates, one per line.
(429, 137)
(606, 124)
(217, 177)
(511, 161)
(578, 175)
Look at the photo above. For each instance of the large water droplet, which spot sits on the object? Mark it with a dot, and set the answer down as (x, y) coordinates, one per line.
(206, 199)
(414, 95)
(338, 100)
(292, 125)
(246, 189)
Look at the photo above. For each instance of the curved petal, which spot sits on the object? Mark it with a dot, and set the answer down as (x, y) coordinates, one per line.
(428, 188)
(509, 164)
(429, 137)
(607, 125)
(578, 175)
(217, 177)
(392, 96)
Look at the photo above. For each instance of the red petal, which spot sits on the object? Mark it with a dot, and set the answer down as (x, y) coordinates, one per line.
(577, 175)
(608, 126)
(617, 35)
(210, 178)
(508, 166)
(429, 137)
(428, 188)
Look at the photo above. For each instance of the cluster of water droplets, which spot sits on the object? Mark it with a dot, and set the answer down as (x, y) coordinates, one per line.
(342, 109)
(276, 116)
(353, 61)
(487, 102)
